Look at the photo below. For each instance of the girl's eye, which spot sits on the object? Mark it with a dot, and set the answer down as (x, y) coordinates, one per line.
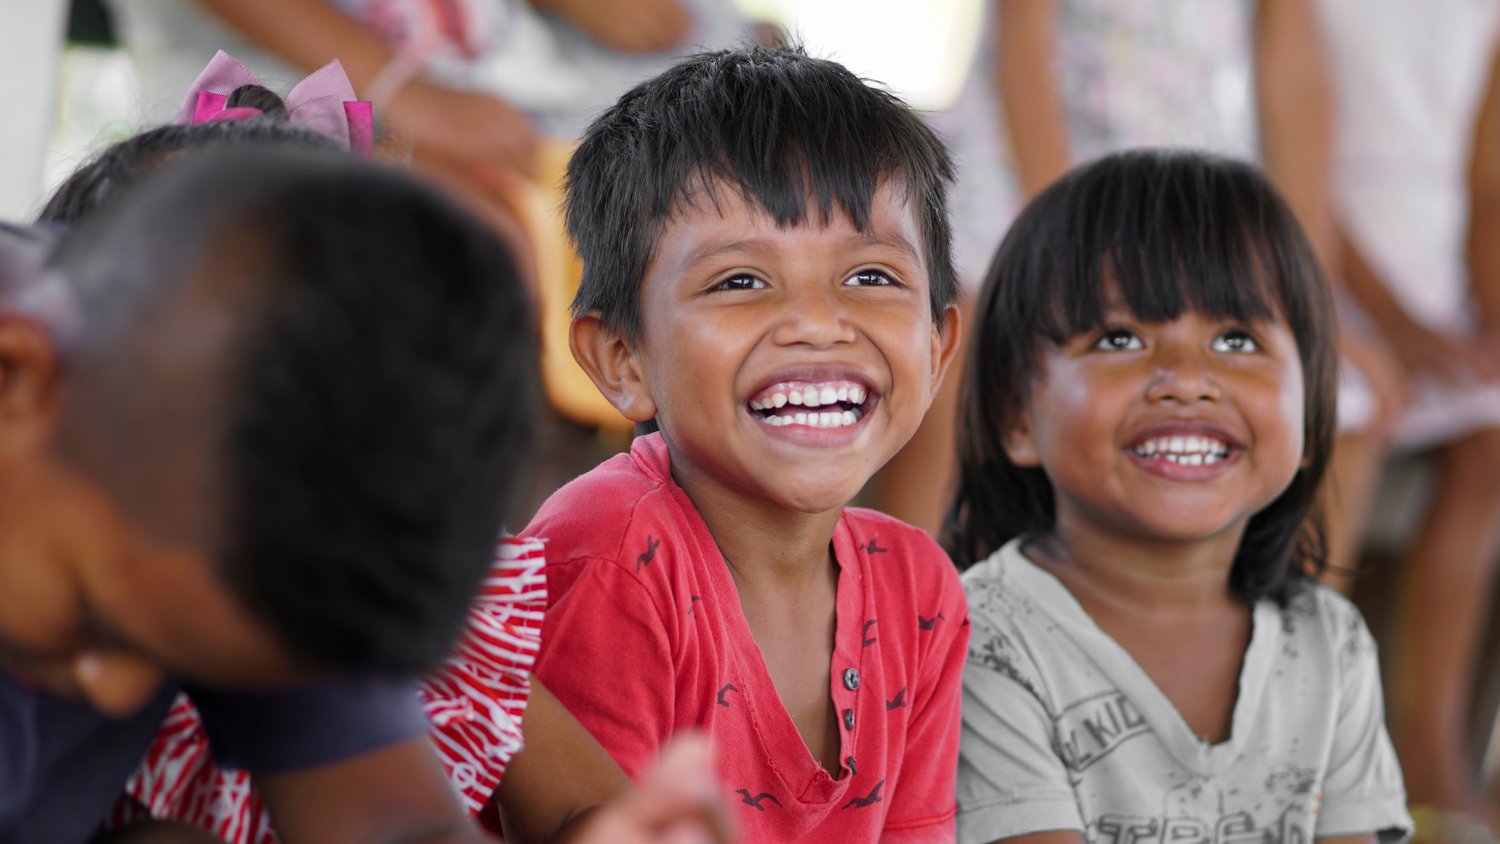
(869, 278)
(740, 282)
(1118, 340)
(1237, 341)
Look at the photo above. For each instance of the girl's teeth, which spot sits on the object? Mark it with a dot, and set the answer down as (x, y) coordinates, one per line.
(779, 400)
(810, 396)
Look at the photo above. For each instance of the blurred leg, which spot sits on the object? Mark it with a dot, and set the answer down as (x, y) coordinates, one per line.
(1443, 601)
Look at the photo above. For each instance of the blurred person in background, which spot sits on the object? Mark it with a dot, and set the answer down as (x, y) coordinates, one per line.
(489, 94)
(1057, 82)
(1417, 203)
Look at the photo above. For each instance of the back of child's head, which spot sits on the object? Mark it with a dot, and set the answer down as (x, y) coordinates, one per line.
(128, 162)
(331, 362)
(782, 129)
(1167, 232)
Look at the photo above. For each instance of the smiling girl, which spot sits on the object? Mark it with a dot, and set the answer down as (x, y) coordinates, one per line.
(1148, 413)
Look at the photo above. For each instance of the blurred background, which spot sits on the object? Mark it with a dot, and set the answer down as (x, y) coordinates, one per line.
(1378, 119)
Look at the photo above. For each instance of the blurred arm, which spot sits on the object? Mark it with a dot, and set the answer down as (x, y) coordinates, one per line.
(1484, 207)
(1294, 104)
(1024, 46)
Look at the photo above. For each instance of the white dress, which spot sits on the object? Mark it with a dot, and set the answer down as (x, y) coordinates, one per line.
(1130, 73)
(1062, 729)
(1409, 81)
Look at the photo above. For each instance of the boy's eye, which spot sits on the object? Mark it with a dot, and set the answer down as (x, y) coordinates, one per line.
(1235, 341)
(740, 282)
(1118, 340)
(869, 278)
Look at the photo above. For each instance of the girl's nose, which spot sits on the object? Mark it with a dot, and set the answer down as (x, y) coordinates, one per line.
(1184, 377)
(115, 682)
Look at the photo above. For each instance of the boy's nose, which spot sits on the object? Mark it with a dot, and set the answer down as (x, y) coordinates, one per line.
(114, 682)
(1184, 377)
(814, 318)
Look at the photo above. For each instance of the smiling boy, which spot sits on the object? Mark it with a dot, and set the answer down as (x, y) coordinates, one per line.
(767, 281)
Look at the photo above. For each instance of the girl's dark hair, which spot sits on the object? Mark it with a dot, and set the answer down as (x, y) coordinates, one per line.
(131, 160)
(784, 129)
(1173, 231)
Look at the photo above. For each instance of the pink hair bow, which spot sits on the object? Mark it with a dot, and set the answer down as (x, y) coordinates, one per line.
(324, 102)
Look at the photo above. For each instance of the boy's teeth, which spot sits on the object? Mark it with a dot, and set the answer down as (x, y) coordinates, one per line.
(809, 395)
(815, 419)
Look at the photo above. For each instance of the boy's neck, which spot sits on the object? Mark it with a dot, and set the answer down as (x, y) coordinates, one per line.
(764, 544)
(1138, 574)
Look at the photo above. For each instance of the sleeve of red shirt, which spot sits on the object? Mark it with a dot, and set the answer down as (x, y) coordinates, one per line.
(606, 656)
(924, 804)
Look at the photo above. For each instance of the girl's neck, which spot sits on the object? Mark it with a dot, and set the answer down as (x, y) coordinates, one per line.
(1140, 575)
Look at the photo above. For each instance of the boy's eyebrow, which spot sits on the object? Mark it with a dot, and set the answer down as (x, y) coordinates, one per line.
(716, 249)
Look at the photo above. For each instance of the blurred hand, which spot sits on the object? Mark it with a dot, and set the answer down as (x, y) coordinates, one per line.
(679, 804)
(1382, 372)
(465, 130)
(630, 26)
(1452, 361)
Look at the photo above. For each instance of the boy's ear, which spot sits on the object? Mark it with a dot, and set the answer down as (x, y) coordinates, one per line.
(945, 344)
(611, 363)
(30, 389)
(1019, 440)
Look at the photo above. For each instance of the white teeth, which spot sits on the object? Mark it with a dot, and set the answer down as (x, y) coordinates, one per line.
(849, 418)
(779, 400)
(1188, 451)
(857, 394)
(843, 393)
(795, 398)
(828, 396)
(801, 418)
(810, 396)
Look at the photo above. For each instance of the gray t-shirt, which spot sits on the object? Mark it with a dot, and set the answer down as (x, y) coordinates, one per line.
(63, 764)
(1062, 729)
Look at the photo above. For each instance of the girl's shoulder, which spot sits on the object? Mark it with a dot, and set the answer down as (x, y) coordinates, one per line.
(1318, 619)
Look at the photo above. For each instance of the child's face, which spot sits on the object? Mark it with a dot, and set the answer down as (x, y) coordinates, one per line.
(786, 365)
(95, 607)
(1178, 430)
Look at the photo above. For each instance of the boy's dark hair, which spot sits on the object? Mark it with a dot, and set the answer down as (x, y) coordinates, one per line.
(1174, 231)
(365, 358)
(775, 124)
(124, 164)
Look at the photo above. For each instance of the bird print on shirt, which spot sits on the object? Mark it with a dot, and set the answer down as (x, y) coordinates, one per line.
(645, 557)
(870, 800)
(896, 702)
(873, 546)
(755, 801)
(928, 623)
(728, 687)
(867, 639)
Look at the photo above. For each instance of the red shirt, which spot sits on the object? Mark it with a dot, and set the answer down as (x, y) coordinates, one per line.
(644, 637)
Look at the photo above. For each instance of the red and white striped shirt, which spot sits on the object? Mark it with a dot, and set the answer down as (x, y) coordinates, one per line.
(475, 702)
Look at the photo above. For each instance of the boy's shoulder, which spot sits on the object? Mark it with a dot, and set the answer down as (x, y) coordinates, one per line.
(598, 514)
